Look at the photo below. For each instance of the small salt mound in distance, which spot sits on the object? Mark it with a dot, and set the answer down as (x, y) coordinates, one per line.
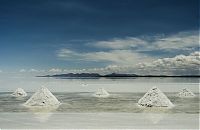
(155, 98)
(19, 92)
(42, 97)
(84, 84)
(101, 93)
(186, 93)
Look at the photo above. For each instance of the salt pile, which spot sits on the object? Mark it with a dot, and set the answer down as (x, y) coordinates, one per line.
(184, 93)
(42, 97)
(155, 98)
(84, 84)
(19, 92)
(101, 93)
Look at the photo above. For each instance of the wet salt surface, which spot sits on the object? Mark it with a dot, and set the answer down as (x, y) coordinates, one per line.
(86, 103)
(98, 121)
(82, 110)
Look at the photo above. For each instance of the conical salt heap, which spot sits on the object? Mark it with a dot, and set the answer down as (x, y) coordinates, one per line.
(19, 92)
(155, 98)
(42, 97)
(184, 93)
(101, 93)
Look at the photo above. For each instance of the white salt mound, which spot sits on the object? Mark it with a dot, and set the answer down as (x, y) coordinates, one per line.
(186, 93)
(155, 98)
(84, 84)
(42, 97)
(19, 92)
(101, 93)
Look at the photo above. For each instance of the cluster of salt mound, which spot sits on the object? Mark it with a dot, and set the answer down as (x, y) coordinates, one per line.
(186, 93)
(101, 93)
(19, 92)
(42, 97)
(155, 98)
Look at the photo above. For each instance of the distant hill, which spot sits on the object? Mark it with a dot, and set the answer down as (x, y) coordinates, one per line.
(112, 75)
(90, 75)
(120, 75)
(74, 75)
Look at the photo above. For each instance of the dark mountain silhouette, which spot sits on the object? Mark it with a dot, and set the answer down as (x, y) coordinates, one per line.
(112, 75)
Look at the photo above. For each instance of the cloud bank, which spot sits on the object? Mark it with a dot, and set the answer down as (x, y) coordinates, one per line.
(178, 65)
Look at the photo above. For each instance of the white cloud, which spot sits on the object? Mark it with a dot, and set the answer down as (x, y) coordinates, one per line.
(181, 41)
(67, 54)
(55, 70)
(180, 64)
(30, 71)
(122, 57)
(33, 70)
(1, 71)
(22, 70)
(114, 69)
(104, 70)
(127, 43)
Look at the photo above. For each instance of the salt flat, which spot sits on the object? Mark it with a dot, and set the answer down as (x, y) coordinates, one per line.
(80, 109)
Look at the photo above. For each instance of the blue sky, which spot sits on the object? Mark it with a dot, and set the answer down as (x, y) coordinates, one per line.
(84, 34)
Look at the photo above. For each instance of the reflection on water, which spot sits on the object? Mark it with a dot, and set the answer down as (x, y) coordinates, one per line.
(42, 114)
(155, 115)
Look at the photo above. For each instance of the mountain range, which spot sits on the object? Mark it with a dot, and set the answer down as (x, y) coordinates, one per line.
(112, 75)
